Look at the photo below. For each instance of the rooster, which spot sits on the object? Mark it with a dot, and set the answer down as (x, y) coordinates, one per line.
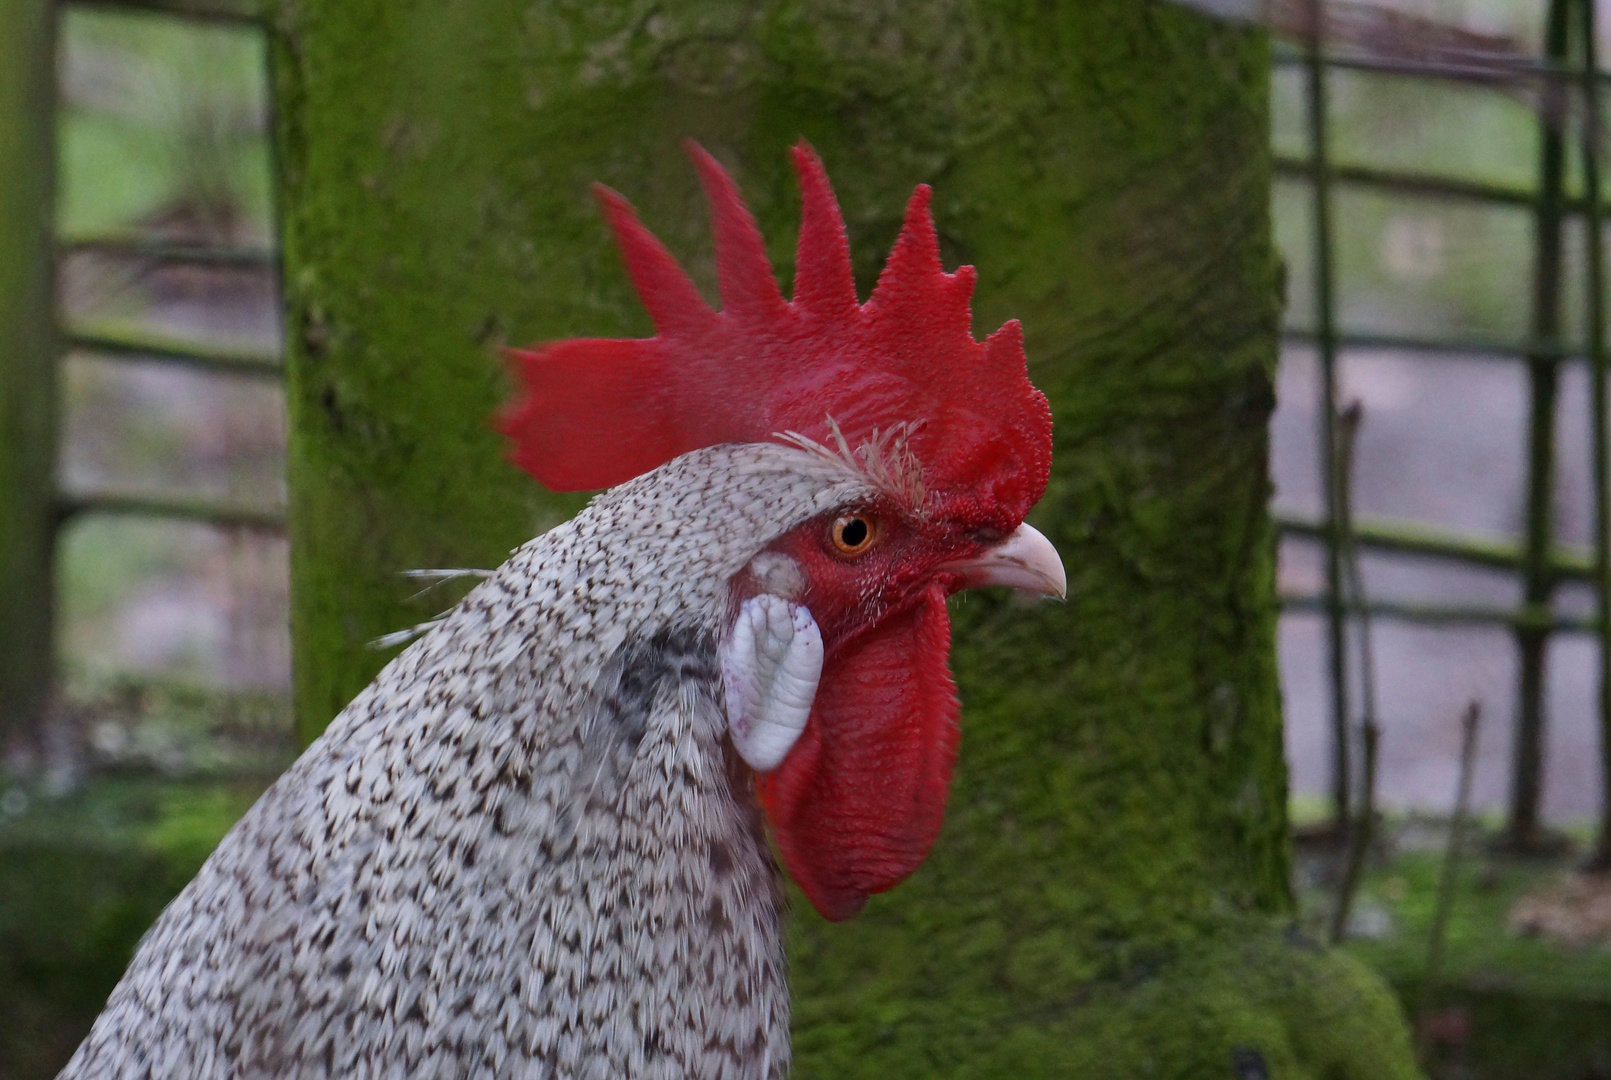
(536, 845)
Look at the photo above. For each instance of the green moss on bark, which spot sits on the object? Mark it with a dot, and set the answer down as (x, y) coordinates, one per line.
(1117, 833)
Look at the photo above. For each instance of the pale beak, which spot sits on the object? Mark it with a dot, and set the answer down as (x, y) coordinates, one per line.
(1025, 560)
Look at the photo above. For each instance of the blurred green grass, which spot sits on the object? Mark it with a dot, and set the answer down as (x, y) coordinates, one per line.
(155, 109)
(1509, 1005)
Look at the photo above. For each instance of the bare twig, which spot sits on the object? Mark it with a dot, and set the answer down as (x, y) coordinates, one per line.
(1598, 362)
(1527, 617)
(1363, 826)
(1326, 348)
(1522, 831)
(247, 12)
(1446, 880)
(114, 345)
(1359, 837)
(1412, 538)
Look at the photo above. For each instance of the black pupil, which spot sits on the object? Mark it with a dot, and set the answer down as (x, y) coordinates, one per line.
(853, 533)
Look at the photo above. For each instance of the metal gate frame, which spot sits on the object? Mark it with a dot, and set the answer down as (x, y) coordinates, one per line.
(1568, 73)
(1540, 563)
(26, 679)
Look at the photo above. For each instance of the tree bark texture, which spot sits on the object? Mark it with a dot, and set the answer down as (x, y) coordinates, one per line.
(27, 366)
(1106, 898)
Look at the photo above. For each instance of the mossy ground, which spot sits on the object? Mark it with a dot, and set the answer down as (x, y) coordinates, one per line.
(1253, 1000)
(81, 879)
(1508, 1006)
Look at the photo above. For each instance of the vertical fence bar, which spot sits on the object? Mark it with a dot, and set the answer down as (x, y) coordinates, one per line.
(1326, 347)
(1594, 242)
(1538, 581)
(27, 366)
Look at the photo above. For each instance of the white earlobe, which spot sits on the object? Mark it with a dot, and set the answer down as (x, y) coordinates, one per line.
(771, 661)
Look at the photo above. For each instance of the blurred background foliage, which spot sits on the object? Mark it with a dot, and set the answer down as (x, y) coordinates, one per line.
(172, 637)
(160, 118)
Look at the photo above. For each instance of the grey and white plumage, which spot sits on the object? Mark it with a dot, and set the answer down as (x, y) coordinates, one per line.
(528, 849)
(532, 847)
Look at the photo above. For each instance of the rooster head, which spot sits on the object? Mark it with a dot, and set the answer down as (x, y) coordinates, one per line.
(836, 648)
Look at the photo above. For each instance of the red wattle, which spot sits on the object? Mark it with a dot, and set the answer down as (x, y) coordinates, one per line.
(858, 802)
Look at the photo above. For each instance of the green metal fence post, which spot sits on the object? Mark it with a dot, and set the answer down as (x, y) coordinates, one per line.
(27, 364)
(1538, 582)
(1595, 245)
(1326, 346)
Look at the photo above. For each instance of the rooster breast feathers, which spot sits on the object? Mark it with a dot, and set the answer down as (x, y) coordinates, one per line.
(526, 844)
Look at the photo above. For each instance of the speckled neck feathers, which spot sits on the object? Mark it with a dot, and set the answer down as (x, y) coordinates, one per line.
(524, 850)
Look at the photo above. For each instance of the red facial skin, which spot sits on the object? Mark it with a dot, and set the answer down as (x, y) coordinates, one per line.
(856, 805)
(858, 801)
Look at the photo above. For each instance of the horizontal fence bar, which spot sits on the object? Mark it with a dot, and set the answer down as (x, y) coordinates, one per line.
(1508, 72)
(244, 12)
(165, 251)
(1416, 183)
(175, 507)
(169, 351)
(1433, 185)
(195, 777)
(1487, 348)
(1403, 538)
(1451, 615)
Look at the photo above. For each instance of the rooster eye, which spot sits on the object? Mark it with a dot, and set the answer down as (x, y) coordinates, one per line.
(853, 534)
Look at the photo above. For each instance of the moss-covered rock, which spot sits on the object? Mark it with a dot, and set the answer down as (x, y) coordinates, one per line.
(1257, 999)
(1249, 991)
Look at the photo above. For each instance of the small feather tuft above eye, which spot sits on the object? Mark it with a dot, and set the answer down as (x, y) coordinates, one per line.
(885, 461)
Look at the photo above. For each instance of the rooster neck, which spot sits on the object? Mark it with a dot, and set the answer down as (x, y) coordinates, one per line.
(585, 890)
(526, 847)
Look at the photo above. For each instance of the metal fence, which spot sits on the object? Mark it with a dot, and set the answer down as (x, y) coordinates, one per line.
(1567, 85)
(133, 346)
(140, 349)
(1566, 80)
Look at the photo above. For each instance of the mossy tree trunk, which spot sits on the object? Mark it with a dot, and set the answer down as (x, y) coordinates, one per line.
(1106, 897)
(27, 367)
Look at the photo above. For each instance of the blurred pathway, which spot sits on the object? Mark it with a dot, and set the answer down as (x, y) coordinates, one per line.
(1442, 444)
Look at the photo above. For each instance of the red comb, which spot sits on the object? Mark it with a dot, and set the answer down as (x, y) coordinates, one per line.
(597, 412)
